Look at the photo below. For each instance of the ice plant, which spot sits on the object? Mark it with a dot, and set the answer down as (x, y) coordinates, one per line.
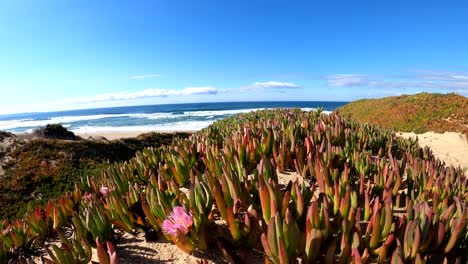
(345, 209)
(178, 226)
(93, 222)
(39, 221)
(119, 212)
(72, 250)
(108, 256)
(156, 203)
(178, 223)
(201, 205)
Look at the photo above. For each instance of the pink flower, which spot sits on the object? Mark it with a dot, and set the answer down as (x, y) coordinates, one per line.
(88, 197)
(104, 191)
(179, 222)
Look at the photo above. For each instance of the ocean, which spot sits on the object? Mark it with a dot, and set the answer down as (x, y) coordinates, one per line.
(170, 117)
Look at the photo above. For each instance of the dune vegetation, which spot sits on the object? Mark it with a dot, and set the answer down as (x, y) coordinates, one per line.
(417, 113)
(42, 166)
(362, 195)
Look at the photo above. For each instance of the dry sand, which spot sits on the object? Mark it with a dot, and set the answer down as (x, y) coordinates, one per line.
(450, 147)
(111, 135)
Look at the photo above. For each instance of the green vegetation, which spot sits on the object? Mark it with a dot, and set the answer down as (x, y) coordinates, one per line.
(55, 131)
(417, 113)
(362, 195)
(42, 169)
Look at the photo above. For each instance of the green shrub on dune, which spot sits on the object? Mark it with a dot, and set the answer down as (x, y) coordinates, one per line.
(43, 168)
(55, 131)
(412, 113)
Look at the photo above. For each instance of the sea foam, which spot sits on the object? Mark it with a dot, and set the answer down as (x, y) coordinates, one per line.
(176, 119)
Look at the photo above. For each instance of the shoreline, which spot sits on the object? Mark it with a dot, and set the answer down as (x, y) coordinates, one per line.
(113, 135)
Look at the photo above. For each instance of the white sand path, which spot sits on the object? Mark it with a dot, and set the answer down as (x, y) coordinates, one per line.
(450, 147)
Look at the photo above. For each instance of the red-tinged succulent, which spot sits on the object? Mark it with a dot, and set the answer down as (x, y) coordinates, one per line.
(62, 211)
(270, 199)
(201, 205)
(412, 240)
(108, 256)
(40, 221)
(119, 212)
(300, 196)
(16, 236)
(283, 241)
(379, 226)
(157, 203)
(317, 230)
(179, 162)
(92, 222)
(457, 226)
(72, 251)
(359, 179)
(232, 193)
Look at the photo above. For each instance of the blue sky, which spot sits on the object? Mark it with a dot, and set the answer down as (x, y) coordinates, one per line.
(74, 54)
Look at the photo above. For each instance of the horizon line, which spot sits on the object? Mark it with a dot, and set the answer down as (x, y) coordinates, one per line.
(143, 105)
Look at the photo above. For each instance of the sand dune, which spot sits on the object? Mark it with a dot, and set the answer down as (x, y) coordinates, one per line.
(450, 147)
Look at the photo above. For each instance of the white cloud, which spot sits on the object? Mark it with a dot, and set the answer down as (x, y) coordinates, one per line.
(147, 93)
(346, 80)
(270, 85)
(145, 76)
(112, 99)
(446, 81)
(460, 77)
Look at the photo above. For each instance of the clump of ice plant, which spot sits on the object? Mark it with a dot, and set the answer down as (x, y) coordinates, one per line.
(177, 226)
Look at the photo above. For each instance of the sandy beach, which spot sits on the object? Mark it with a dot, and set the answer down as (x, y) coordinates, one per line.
(111, 135)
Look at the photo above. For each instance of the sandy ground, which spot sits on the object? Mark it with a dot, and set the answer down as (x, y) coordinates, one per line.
(450, 147)
(111, 135)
